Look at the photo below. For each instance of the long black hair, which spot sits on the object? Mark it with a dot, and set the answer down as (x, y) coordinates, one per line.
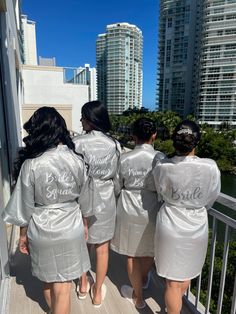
(96, 113)
(144, 128)
(186, 136)
(46, 129)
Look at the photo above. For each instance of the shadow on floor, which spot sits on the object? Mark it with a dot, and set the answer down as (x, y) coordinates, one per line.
(117, 274)
(21, 270)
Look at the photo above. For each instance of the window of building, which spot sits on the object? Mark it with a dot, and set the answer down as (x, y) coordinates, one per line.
(169, 22)
(217, 18)
(231, 17)
(230, 46)
(215, 48)
(228, 76)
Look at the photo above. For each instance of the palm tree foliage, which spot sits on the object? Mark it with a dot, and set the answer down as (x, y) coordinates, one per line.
(216, 144)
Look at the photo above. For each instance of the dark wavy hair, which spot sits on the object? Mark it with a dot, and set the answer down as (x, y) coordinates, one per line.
(96, 113)
(46, 129)
(144, 128)
(186, 136)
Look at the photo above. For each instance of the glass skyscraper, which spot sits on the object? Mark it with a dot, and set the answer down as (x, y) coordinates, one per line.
(197, 59)
(119, 67)
(216, 101)
(177, 53)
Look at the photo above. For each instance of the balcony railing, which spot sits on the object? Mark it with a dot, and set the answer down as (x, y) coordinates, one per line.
(220, 222)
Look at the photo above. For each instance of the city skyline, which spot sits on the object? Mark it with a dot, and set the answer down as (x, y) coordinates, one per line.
(70, 36)
(119, 53)
(178, 51)
(197, 55)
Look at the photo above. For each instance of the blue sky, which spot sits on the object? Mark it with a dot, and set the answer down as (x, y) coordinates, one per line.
(68, 31)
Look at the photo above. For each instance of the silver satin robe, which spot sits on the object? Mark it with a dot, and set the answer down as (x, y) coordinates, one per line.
(137, 203)
(102, 154)
(47, 199)
(188, 186)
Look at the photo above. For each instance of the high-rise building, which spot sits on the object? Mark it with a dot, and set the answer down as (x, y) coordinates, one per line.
(88, 76)
(197, 59)
(216, 101)
(29, 41)
(119, 67)
(177, 54)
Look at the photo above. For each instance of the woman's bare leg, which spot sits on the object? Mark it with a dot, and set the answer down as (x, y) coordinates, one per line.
(173, 295)
(135, 277)
(61, 297)
(47, 291)
(83, 278)
(146, 265)
(102, 256)
(83, 283)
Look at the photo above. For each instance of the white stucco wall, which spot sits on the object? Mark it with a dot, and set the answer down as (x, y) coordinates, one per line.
(44, 86)
(10, 135)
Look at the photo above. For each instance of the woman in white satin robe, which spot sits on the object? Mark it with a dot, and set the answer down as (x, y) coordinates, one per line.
(189, 185)
(101, 152)
(47, 204)
(137, 207)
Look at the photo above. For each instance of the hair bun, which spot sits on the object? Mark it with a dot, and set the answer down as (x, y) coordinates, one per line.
(186, 137)
(144, 128)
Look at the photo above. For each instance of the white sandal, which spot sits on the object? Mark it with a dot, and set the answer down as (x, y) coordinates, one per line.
(83, 295)
(127, 292)
(103, 292)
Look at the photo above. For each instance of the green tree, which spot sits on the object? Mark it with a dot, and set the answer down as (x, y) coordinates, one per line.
(218, 145)
(164, 146)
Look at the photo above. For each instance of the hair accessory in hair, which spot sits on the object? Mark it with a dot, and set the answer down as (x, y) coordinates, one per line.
(185, 131)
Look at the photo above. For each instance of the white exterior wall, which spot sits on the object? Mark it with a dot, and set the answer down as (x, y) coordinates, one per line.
(44, 86)
(11, 93)
(10, 135)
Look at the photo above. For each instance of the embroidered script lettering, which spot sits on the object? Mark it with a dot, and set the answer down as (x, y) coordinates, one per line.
(63, 178)
(99, 161)
(176, 194)
(138, 183)
(134, 172)
(100, 172)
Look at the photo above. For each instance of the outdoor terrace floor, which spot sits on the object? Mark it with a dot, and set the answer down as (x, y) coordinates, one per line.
(25, 292)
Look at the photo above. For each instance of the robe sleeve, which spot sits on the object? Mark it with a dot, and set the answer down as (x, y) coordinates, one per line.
(214, 189)
(149, 180)
(90, 200)
(156, 172)
(21, 204)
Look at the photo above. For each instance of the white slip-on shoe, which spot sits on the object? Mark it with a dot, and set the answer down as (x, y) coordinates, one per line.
(83, 295)
(127, 292)
(103, 292)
